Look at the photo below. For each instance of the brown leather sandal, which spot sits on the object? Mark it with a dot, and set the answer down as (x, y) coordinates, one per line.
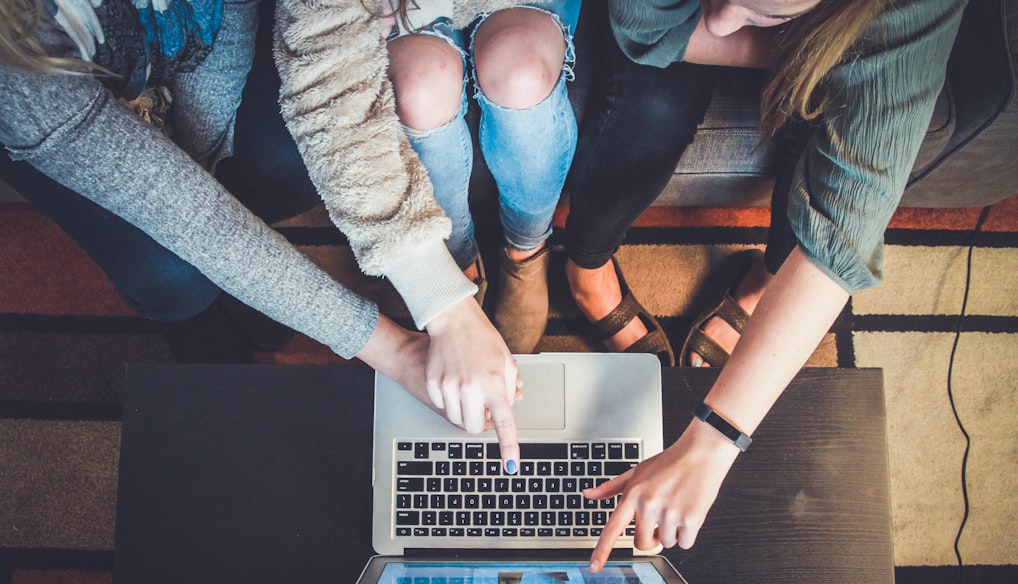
(727, 309)
(654, 342)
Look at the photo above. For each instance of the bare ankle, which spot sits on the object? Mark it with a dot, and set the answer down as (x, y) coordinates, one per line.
(517, 255)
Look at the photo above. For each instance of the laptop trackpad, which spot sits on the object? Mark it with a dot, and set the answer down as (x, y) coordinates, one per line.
(543, 406)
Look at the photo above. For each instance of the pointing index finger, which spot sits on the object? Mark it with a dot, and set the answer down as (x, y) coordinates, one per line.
(505, 428)
(614, 528)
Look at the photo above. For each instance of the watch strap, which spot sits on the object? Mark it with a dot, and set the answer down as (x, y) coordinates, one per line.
(704, 413)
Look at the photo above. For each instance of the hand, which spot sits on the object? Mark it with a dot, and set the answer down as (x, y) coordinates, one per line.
(669, 494)
(472, 375)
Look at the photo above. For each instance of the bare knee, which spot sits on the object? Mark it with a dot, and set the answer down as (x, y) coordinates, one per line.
(427, 77)
(519, 55)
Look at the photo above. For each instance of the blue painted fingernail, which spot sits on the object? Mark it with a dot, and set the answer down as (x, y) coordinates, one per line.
(697, 362)
(510, 467)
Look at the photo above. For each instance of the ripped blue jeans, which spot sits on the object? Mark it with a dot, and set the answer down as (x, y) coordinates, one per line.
(528, 151)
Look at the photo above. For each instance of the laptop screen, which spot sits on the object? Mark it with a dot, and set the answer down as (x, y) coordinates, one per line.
(618, 572)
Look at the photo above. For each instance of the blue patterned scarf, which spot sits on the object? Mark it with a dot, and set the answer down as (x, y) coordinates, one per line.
(140, 40)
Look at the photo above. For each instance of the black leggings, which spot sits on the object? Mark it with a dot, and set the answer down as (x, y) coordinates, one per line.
(638, 120)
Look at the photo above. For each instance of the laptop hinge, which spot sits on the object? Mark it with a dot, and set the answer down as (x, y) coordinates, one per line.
(535, 554)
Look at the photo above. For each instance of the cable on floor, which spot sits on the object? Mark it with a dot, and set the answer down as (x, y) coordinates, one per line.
(950, 388)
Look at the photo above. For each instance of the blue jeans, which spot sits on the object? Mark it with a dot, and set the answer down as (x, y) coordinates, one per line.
(528, 151)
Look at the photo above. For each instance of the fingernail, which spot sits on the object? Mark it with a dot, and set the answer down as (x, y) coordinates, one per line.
(510, 466)
(594, 565)
(697, 362)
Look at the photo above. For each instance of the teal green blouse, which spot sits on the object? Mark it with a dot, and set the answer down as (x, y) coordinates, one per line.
(852, 174)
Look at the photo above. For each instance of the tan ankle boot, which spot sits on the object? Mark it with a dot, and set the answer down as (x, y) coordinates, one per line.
(521, 305)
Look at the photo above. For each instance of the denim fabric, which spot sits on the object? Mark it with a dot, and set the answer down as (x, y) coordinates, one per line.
(528, 151)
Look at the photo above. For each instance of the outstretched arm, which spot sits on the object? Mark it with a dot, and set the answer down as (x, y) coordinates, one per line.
(670, 494)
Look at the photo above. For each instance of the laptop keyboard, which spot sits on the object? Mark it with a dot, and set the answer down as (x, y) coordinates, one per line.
(459, 490)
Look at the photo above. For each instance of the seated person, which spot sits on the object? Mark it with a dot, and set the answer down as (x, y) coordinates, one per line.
(61, 73)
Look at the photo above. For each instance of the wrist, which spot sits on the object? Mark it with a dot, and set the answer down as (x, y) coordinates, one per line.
(705, 414)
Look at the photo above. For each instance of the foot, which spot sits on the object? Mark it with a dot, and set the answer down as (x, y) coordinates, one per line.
(521, 303)
(597, 292)
(747, 294)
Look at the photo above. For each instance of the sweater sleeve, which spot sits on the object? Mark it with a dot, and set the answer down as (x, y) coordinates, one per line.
(853, 172)
(654, 32)
(71, 129)
(340, 108)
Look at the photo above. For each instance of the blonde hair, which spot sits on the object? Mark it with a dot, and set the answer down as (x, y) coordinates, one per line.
(808, 48)
(19, 20)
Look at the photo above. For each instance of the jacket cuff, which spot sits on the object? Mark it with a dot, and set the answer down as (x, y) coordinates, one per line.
(429, 281)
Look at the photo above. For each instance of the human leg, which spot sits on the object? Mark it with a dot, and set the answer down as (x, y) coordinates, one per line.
(522, 60)
(149, 278)
(749, 284)
(638, 122)
(427, 73)
(266, 171)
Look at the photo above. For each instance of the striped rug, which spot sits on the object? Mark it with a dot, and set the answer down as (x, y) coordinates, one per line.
(65, 337)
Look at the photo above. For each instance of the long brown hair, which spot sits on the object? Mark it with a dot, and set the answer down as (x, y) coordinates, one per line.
(808, 48)
(399, 11)
(19, 20)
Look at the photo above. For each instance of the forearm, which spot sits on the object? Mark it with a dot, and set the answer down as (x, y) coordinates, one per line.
(340, 108)
(94, 146)
(796, 311)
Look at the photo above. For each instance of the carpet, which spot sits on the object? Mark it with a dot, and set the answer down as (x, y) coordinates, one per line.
(65, 336)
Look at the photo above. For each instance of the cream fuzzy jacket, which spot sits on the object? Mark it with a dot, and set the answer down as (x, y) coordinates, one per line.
(339, 106)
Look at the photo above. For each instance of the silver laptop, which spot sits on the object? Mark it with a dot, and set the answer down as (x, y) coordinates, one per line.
(440, 492)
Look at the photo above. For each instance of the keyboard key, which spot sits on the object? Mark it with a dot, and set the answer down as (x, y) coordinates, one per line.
(562, 532)
(403, 531)
(544, 532)
(420, 532)
(421, 449)
(632, 451)
(615, 450)
(459, 468)
(539, 451)
(438, 446)
(438, 531)
(474, 532)
(402, 501)
(598, 451)
(455, 450)
(408, 517)
(579, 532)
(443, 468)
(492, 532)
(405, 484)
(456, 532)
(476, 468)
(579, 451)
(433, 484)
(492, 451)
(429, 518)
(489, 501)
(527, 467)
(473, 451)
(510, 532)
(528, 532)
(617, 468)
(404, 446)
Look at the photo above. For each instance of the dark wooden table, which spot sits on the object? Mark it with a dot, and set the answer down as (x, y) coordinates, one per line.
(263, 474)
